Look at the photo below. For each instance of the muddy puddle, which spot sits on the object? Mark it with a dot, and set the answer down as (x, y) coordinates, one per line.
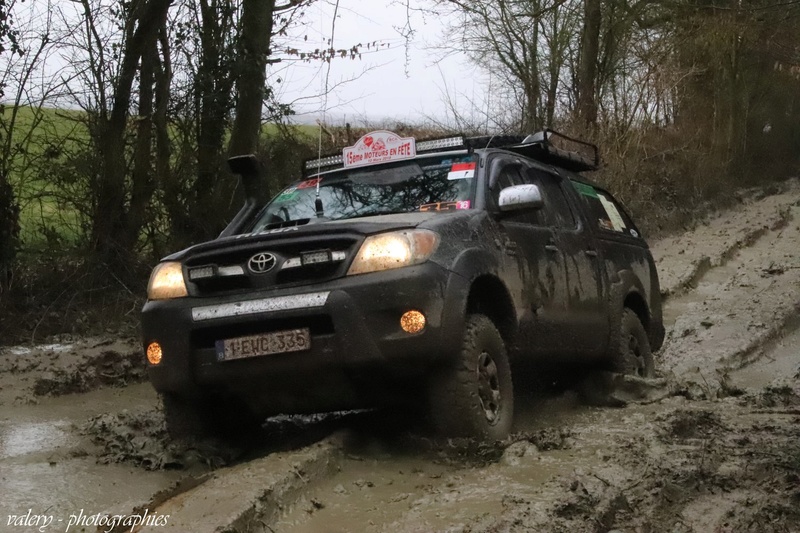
(413, 489)
(48, 465)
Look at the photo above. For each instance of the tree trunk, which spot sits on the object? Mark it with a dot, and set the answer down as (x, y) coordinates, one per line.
(587, 68)
(9, 231)
(254, 49)
(142, 175)
(252, 75)
(163, 81)
(110, 215)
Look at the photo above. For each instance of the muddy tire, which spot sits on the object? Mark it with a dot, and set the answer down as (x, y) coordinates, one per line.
(633, 356)
(473, 395)
(203, 418)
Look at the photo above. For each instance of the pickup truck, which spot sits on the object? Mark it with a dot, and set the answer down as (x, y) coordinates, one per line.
(403, 273)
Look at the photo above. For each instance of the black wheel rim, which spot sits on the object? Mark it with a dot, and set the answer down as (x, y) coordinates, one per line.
(489, 387)
(634, 359)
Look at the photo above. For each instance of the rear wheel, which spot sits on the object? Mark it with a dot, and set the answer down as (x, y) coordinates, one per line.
(473, 395)
(634, 356)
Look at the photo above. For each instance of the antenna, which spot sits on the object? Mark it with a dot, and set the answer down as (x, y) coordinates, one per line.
(318, 207)
(488, 101)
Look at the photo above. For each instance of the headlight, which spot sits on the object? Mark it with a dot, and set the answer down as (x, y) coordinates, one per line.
(166, 282)
(394, 250)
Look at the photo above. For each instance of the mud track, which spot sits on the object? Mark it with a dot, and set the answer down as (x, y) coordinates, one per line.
(712, 445)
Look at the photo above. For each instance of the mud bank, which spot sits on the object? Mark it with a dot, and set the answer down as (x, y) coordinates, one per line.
(27, 373)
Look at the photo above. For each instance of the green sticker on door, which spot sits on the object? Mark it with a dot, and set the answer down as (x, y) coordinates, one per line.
(586, 190)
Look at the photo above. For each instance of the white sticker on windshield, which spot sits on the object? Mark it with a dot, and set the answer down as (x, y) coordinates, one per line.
(613, 213)
(462, 171)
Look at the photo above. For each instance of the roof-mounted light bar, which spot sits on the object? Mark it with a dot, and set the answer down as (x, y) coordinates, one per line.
(440, 144)
(323, 162)
(433, 145)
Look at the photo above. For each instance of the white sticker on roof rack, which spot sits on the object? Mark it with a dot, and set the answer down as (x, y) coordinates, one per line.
(379, 147)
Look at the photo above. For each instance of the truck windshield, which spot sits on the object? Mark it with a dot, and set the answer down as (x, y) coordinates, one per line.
(438, 183)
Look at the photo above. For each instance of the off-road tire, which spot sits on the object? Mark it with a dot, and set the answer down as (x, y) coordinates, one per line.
(201, 418)
(633, 356)
(473, 395)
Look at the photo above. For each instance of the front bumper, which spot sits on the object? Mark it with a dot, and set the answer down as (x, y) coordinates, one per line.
(357, 344)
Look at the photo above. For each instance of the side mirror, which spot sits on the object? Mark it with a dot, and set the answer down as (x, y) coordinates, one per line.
(520, 197)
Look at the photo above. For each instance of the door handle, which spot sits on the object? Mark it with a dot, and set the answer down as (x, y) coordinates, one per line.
(510, 246)
(591, 253)
(551, 248)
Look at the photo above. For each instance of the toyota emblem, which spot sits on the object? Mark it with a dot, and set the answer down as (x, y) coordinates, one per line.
(262, 263)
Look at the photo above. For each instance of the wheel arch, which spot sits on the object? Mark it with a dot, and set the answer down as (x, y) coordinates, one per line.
(490, 297)
(626, 292)
(636, 303)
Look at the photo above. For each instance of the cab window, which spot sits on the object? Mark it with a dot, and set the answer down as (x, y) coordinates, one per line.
(557, 211)
(604, 211)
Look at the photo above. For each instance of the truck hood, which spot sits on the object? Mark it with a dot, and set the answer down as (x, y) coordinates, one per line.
(313, 227)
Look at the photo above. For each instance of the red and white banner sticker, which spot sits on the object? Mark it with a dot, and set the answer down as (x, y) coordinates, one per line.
(462, 171)
(379, 147)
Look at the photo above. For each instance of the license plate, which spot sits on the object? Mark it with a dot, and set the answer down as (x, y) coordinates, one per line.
(293, 340)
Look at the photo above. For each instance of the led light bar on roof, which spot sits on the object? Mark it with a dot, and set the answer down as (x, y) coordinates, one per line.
(423, 146)
(328, 161)
(439, 144)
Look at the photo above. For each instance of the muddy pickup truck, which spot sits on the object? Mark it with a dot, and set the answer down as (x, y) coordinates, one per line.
(403, 273)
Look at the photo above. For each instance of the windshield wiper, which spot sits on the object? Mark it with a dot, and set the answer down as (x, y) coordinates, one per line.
(375, 213)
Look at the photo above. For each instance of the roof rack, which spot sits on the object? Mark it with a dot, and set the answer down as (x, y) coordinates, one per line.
(538, 146)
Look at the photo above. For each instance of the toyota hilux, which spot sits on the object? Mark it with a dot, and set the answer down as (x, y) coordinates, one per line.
(403, 273)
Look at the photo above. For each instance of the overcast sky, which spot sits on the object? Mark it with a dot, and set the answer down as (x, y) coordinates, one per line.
(395, 79)
(396, 82)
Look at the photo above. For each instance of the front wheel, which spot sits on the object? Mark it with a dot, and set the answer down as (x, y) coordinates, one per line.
(188, 418)
(473, 395)
(634, 356)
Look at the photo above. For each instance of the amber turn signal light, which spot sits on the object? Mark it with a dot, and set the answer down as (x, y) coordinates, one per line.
(412, 321)
(154, 353)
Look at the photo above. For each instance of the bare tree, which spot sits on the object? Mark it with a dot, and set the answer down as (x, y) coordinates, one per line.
(24, 49)
(587, 68)
(9, 208)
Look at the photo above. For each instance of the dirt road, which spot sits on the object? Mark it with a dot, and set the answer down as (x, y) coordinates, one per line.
(713, 445)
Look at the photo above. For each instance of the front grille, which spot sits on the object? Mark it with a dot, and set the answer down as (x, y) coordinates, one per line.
(232, 275)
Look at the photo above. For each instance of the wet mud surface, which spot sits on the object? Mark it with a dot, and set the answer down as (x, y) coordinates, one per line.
(713, 444)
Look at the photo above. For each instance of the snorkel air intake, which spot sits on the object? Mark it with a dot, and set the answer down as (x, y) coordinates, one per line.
(249, 169)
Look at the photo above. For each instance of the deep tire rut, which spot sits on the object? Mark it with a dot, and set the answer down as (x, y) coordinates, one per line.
(701, 267)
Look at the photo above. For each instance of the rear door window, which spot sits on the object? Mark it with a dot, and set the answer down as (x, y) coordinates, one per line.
(605, 212)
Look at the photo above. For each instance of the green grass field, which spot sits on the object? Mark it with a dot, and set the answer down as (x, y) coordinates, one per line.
(43, 142)
(39, 137)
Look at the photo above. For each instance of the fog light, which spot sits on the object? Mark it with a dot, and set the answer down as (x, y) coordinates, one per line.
(412, 322)
(154, 353)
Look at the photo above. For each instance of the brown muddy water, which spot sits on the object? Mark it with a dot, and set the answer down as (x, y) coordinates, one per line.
(47, 466)
(386, 489)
